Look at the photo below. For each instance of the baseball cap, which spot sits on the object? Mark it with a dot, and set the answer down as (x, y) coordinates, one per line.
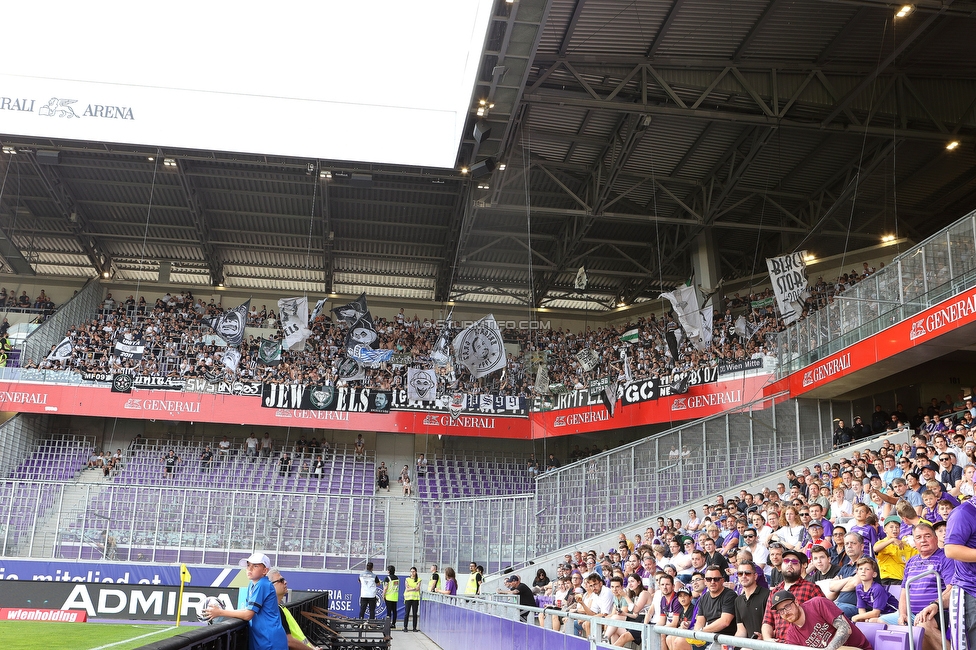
(683, 590)
(892, 518)
(256, 558)
(781, 597)
(512, 578)
(799, 555)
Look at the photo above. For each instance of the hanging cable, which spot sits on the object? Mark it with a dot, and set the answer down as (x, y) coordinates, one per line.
(311, 221)
(145, 232)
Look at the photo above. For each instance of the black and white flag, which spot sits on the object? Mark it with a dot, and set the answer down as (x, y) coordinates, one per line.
(684, 301)
(62, 351)
(479, 347)
(363, 333)
(269, 352)
(580, 283)
(130, 347)
(609, 397)
(441, 354)
(588, 359)
(421, 385)
(542, 380)
(319, 306)
(230, 325)
(293, 313)
(231, 359)
(353, 311)
(350, 370)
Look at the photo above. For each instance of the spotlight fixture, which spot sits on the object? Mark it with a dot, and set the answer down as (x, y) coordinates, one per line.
(10, 150)
(327, 175)
(169, 162)
(952, 145)
(810, 257)
(105, 274)
(887, 238)
(483, 186)
(464, 170)
(150, 159)
(501, 167)
(905, 11)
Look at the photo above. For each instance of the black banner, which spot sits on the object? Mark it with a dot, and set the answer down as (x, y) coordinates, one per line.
(114, 600)
(189, 384)
(740, 366)
(366, 400)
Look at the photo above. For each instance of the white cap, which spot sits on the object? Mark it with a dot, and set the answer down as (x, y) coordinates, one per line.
(257, 558)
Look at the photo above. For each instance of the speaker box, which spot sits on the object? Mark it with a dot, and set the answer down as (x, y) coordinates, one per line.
(483, 168)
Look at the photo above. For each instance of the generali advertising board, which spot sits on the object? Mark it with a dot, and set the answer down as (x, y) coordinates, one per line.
(700, 401)
(925, 326)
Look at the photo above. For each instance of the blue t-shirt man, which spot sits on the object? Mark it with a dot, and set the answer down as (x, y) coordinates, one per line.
(265, 630)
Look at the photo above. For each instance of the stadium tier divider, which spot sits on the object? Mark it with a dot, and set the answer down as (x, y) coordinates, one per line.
(78, 309)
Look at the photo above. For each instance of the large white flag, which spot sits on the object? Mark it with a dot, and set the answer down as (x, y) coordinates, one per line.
(231, 359)
(580, 283)
(704, 340)
(479, 347)
(62, 351)
(293, 313)
(684, 301)
(421, 385)
(788, 275)
(542, 380)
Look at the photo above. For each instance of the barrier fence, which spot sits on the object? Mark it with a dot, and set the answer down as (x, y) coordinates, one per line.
(639, 480)
(79, 309)
(936, 269)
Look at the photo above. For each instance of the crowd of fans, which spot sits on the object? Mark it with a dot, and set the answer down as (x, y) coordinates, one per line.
(849, 533)
(179, 343)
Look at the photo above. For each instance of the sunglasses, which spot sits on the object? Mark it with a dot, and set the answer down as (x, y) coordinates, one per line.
(745, 573)
(281, 580)
(714, 579)
(790, 560)
(749, 536)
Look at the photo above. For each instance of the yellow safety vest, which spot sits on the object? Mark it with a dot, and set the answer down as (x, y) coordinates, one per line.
(472, 587)
(412, 591)
(434, 584)
(392, 590)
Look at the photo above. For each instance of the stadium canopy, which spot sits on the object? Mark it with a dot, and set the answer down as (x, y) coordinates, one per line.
(229, 149)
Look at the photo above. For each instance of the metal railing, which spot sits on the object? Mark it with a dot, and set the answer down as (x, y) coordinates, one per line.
(586, 499)
(18, 436)
(936, 269)
(498, 607)
(79, 309)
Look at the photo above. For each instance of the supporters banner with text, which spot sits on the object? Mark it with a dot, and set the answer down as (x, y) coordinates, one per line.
(788, 275)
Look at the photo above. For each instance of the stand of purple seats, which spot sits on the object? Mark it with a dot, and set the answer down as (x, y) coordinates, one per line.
(457, 478)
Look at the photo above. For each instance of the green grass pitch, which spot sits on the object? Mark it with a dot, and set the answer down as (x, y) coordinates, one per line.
(24, 635)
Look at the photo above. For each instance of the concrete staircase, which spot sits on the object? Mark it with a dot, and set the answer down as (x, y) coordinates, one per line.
(402, 536)
(74, 499)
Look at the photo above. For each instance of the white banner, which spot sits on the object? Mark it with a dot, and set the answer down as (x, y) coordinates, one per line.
(588, 359)
(421, 385)
(789, 279)
(684, 301)
(479, 348)
(293, 313)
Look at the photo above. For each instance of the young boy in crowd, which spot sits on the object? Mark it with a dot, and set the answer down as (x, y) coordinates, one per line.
(873, 599)
(892, 552)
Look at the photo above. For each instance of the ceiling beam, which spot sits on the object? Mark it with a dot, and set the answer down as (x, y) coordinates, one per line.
(57, 188)
(202, 225)
(328, 235)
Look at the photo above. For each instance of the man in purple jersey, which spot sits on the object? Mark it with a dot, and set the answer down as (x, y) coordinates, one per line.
(960, 546)
(926, 598)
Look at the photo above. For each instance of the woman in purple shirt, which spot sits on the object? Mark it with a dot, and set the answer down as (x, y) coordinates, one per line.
(450, 585)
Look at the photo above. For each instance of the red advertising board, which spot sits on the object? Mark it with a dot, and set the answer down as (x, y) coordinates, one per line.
(922, 328)
(699, 402)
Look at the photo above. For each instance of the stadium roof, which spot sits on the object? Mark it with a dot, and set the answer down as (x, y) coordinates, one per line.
(615, 133)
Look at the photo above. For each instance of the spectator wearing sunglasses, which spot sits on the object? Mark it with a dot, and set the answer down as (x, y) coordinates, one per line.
(750, 605)
(794, 568)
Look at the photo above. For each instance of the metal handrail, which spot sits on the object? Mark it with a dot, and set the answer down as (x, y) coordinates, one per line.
(908, 603)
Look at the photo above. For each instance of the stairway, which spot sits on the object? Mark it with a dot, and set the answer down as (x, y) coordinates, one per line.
(75, 497)
(402, 542)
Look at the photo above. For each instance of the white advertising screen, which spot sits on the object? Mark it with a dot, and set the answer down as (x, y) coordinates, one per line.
(371, 80)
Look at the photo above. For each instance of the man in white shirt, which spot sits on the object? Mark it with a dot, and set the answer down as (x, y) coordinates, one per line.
(251, 446)
(598, 601)
(223, 448)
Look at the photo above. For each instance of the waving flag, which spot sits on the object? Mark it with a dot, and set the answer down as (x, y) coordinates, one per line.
(479, 347)
(421, 385)
(363, 333)
(684, 301)
(62, 351)
(230, 325)
(293, 313)
(630, 336)
(581, 280)
(353, 311)
(231, 359)
(269, 352)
